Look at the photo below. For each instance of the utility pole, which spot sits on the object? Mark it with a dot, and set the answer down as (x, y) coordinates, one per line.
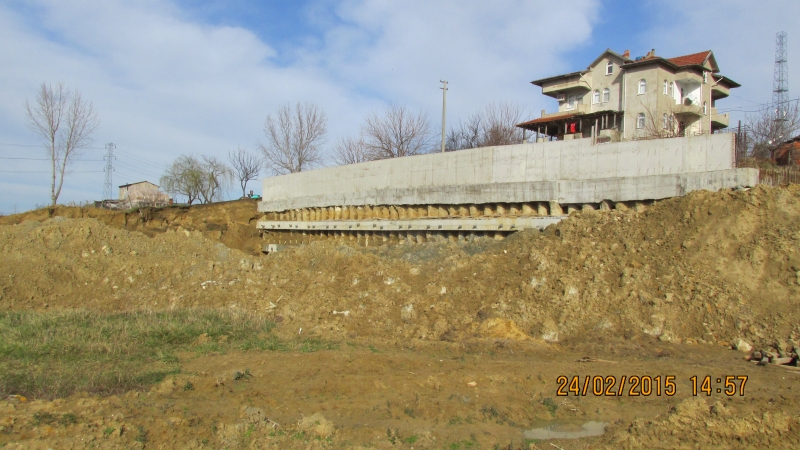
(444, 109)
(109, 169)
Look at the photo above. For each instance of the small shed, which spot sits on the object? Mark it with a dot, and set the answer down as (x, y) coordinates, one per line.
(787, 153)
(142, 193)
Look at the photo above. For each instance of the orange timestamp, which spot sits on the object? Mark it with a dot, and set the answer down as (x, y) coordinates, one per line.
(646, 385)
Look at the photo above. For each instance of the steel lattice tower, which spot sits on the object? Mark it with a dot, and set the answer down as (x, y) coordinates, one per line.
(109, 169)
(780, 84)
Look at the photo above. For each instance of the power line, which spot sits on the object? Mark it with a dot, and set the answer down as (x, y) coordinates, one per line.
(48, 159)
(5, 144)
(137, 169)
(140, 159)
(48, 171)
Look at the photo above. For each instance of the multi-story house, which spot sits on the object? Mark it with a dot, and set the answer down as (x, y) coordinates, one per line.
(619, 98)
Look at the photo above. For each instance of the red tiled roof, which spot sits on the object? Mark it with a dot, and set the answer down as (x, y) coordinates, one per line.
(547, 119)
(695, 59)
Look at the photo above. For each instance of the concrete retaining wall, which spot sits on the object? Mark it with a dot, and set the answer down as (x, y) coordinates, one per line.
(572, 171)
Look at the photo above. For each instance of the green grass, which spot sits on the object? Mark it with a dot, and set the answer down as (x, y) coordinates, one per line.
(55, 354)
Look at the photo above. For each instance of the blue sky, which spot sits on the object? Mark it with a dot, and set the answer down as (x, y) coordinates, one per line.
(172, 77)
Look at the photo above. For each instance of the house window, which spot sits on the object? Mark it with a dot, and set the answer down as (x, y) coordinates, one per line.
(705, 108)
(640, 120)
(666, 121)
(609, 68)
(571, 102)
(705, 77)
(606, 95)
(666, 83)
(671, 90)
(642, 87)
(596, 97)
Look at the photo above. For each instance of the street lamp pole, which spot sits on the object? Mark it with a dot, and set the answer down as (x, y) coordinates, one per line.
(444, 109)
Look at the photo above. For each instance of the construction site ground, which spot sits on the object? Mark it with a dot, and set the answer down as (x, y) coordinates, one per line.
(169, 329)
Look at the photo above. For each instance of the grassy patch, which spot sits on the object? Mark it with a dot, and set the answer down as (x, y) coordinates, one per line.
(55, 354)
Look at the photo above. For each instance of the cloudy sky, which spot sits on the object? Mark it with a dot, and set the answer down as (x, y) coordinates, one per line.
(172, 77)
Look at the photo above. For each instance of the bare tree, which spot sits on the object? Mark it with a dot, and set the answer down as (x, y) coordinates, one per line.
(495, 124)
(202, 179)
(766, 131)
(667, 125)
(216, 177)
(246, 166)
(351, 151)
(396, 133)
(294, 137)
(65, 123)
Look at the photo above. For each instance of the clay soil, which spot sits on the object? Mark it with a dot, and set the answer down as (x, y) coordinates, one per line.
(438, 345)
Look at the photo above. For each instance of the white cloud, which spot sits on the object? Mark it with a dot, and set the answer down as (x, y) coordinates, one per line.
(742, 35)
(165, 84)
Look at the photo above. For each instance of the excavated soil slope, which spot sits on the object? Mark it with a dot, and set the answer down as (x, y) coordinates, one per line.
(232, 222)
(441, 345)
(708, 267)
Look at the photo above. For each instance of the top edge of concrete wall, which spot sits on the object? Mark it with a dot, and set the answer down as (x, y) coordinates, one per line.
(573, 160)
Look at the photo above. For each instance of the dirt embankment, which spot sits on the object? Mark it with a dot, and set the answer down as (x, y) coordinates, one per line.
(708, 267)
(232, 222)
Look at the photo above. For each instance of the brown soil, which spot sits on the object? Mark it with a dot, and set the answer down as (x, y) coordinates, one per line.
(661, 292)
(232, 222)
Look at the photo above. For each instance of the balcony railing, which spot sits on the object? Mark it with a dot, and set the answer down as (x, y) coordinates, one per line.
(580, 108)
(688, 109)
(578, 83)
(719, 120)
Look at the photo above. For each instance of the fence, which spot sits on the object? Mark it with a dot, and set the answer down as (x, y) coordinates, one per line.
(777, 176)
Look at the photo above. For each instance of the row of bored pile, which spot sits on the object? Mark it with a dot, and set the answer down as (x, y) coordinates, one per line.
(406, 212)
(288, 237)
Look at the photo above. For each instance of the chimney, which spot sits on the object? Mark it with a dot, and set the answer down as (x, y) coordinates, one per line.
(653, 53)
(543, 112)
(626, 54)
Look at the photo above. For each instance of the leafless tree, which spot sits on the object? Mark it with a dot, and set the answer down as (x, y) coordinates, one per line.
(766, 131)
(396, 132)
(216, 178)
(65, 123)
(352, 151)
(495, 124)
(202, 179)
(666, 125)
(294, 136)
(246, 166)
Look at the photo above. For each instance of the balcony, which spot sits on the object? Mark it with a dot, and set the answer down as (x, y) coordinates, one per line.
(555, 88)
(719, 91)
(719, 120)
(580, 108)
(687, 108)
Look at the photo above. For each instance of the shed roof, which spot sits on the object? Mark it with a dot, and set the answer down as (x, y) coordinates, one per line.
(138, 182)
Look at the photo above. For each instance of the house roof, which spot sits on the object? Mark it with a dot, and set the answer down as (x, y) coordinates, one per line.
(547, 119)
(138, 182)
(728, 81)
(541, 81)
(695, 59)
(608, 52)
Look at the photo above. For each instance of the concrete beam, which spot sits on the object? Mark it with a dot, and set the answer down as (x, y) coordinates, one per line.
(433, 225)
